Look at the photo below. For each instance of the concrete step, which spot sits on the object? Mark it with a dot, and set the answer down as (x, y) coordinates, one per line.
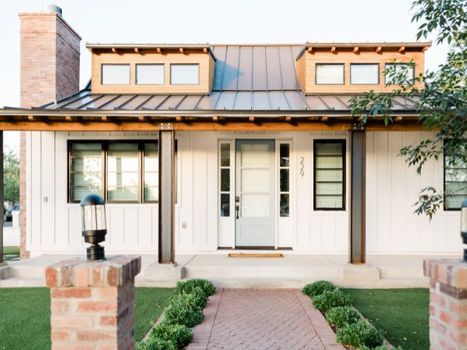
(22, 282)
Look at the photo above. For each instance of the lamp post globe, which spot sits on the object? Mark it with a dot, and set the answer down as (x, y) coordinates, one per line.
(93, 225)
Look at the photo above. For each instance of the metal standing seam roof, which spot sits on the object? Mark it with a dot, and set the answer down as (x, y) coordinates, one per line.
(246, 78)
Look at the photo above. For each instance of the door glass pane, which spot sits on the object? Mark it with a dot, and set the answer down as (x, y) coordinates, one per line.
(225, 204)
(225, 154)
(284, 180)
(329, 202)
(225, 180)
(328, 188)
(284, 154)
(86, 170)
(151, 172)
(284, 209)
(328, 175)
(122, 172)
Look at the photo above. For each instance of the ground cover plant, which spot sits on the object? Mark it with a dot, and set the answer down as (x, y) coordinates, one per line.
(26, 322)
(183, 313)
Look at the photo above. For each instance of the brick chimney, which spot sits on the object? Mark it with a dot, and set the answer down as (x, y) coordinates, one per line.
(49, 57)
(50, 51)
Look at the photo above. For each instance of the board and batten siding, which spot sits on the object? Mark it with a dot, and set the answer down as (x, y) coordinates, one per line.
(54, 225)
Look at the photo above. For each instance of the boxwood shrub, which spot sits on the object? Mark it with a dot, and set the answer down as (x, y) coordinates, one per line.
(184, 310)
(317, 288)
(329, 299)
(188, 286)
(155, 343)
(179, 335)
(360, 334)
(341, 315)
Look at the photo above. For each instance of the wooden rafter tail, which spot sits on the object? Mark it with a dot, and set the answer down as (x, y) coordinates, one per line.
(181, 49)
(309, 49)
(31, 117)
(356, 50)
(288, 119)
(401, 49)
(114, 50)
(68, 118)
(158, 50)
(334, 50)
(205, 50)
(251, 119)
(104, 118)
(324, 118)
(141, 118)
(379, 50)
(137, 50)
(398, 118)
(179, 118)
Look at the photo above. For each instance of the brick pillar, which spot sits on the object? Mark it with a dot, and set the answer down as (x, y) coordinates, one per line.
(448, 303)
(93, 303)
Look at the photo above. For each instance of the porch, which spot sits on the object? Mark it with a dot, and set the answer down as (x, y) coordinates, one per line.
(290, 271)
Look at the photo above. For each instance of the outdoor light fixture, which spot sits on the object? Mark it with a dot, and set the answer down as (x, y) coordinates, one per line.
(94, 227)
(464, 225)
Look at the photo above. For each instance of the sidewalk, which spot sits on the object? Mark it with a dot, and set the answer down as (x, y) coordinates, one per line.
(257, 319)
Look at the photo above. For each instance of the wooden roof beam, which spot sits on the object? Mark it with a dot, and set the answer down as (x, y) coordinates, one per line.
(356, 50)
(31, 118)
(324, 118)
(401, 49)
(379, 50)
(334, 50)
(159, 50)
(309, 49)
(178, 118)
(104, 118)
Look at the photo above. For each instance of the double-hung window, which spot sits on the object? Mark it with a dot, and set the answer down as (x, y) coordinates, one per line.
(455, 183)
(119, 171)
(329, 174)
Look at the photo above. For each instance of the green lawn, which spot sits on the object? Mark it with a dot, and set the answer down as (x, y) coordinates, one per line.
(25, 315)
(402, 314)
(10, 253)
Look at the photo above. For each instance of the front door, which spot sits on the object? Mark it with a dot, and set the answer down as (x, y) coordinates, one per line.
(254, 197)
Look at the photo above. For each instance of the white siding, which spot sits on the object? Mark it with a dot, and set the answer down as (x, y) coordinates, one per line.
(54, 225)
(392, 189)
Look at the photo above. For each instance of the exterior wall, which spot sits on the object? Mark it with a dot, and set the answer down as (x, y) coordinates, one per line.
(392, 189)
(54, 225)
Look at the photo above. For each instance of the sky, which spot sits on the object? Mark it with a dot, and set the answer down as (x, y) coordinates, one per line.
(208, 21)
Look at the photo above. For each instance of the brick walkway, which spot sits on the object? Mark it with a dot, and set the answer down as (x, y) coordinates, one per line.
(262, 319)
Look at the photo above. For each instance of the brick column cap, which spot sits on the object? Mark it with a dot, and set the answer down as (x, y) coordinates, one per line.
(449, 272)
(115, 271)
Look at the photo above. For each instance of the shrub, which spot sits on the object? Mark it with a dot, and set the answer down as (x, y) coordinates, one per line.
(188, 286)
(199, 297)
(184, 310)
(341, 315)
(179, 335)
(329, 299)
(317, 288)
(359, 334)
(154, 343)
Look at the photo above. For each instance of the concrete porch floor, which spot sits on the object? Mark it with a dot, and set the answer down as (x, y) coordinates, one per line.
(291, 271)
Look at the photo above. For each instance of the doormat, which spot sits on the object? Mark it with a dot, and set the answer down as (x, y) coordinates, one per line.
(256, 255)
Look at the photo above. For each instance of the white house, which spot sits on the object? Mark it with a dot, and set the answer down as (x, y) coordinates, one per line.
(208, 148)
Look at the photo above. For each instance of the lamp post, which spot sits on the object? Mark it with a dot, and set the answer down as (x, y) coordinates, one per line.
(464, 226)
(94, 225)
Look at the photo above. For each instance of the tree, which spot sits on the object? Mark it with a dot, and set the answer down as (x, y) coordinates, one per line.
(441, 103)
(11, 177)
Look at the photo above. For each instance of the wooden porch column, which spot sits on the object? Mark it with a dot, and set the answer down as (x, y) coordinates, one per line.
(357, 195)
(166, 193)
(1, 196)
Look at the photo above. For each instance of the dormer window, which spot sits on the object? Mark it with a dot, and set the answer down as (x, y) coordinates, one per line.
(398, 68)
(364, 73)
(330, 74)
(115, 74)
(150, 74)
(184, 74)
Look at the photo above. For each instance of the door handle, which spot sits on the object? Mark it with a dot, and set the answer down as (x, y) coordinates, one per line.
(237, 209)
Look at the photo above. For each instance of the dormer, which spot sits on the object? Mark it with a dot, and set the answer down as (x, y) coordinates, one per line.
(152, 69)
(355, 68)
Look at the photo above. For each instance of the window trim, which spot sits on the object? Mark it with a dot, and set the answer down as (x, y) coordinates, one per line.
(104, 155)
(116, 64)
(343, 143)
(445, 208)
(185, 64)
(412, 64)
(150, 64)
(330, 64)
(365, 64)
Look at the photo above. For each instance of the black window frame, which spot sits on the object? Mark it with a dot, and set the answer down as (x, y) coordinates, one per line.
(343, 144)
(115, 64)
(104, 154)
(445, 168)
(365, 64)
(330, 64)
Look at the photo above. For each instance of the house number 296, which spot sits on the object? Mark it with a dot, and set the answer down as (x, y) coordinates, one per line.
(302, 166)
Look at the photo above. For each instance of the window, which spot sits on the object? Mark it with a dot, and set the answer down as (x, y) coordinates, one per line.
(329, 74)
(398, 68)
(115, 74)
(184, 74)
(284, 179)
(364, 73)
(130, 170)
(455, 184)
(225, 166)
(86, 170)
(329, 174)
(149, 74)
